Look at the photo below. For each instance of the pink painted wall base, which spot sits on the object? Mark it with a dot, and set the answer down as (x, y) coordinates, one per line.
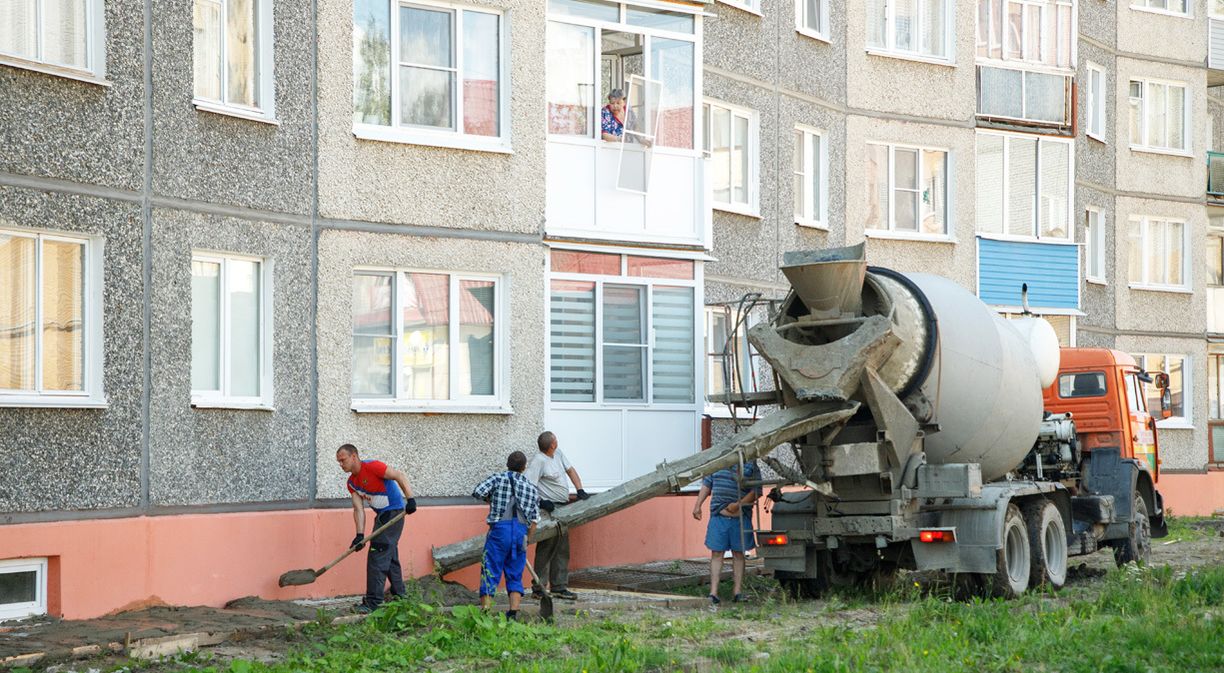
(1192, 494)
(103, 566)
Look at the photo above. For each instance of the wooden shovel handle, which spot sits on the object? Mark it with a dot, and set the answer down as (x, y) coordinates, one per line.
(353, 548)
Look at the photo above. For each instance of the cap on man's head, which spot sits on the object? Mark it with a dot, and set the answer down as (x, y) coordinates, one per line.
(616, 93)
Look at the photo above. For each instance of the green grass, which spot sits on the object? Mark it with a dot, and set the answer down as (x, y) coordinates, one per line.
(1133, 620)
(1186, 528)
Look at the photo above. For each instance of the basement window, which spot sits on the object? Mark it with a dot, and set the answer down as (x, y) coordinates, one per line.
(23, 588)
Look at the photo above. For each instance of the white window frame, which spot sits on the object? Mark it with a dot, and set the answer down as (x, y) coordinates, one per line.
(1187, 131)
(221, 399)
(91, 394)
(752, 207)
(801, 26)
(1097, 100)
(647, 284)
(1145, 283)
(265, 80)
(30, 608)
(397, 402)
(891, 231)
(94, 71)
(1094, 246)
(890, 49)
(1035, 63)
(1005, 197)
(1185, 422)
(456, 138)
(750, 6)
(817, 220)
(1145, 6)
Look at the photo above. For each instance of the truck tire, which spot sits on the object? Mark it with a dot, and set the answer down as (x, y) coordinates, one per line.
(1047, 544)
(1013, 560)
(1137, 547)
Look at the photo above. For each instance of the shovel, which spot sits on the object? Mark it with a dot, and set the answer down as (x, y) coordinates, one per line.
(546, 604)
(295, 578)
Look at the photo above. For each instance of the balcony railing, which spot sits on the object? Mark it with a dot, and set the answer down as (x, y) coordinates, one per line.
(1215, 173)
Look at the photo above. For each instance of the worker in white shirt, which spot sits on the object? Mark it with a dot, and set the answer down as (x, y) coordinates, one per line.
(548, 470)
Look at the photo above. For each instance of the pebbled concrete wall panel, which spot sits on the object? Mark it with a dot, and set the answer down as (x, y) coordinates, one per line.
(433, 186)
(208, 456)
(83, 459)
(1095, 159)
(223, 159)
(1162, 173)
(443, 454)
(72, 130)
(1097, 299)
(1181, 448)
(1173, 312)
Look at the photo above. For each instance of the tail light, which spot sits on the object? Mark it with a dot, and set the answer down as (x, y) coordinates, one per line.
(775, 539)
(937, 535)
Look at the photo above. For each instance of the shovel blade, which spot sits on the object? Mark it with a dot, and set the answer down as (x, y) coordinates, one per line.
(546, 607)
(295, 578)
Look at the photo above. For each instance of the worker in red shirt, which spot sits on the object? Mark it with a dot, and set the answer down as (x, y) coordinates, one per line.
(386, 490)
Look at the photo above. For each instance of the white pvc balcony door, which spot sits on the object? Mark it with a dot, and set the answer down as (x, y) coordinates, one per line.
(611, 446)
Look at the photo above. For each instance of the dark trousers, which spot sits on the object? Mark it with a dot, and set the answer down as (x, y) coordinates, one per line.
(552, 561)
(382, 563)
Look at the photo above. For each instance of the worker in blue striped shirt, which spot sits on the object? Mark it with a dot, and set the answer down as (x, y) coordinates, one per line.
(730, 526)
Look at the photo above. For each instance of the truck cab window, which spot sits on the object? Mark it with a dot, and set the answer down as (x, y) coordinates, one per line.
(1134, 394)
(1081, 384)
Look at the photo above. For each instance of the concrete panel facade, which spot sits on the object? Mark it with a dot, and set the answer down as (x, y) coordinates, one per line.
(211, 456)
(443, 454)
(97, 450)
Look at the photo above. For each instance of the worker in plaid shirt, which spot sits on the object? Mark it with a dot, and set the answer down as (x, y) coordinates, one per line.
(514, 510)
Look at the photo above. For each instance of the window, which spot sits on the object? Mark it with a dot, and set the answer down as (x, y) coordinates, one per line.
(1171, 6)
(811, 186)
(424, 340)
(595, 47)
(1094, 247)
(907, 190)
(1097, 102)
(50, 320)
(731, 144)
(1083, 384)
(1024, 186)
(913, 27)
(429, 74)
(1155, 255)
(1215, 283)
(626, 337)
(23, 588)
(753, 6)
(233, 47)
(731, 364)
(812, 18)
(1159, 116)
(231, 331)
(1179, 386)
(65, 37)
(1039, 32)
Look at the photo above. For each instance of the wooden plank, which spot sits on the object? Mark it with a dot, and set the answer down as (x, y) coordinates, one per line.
(753, 442)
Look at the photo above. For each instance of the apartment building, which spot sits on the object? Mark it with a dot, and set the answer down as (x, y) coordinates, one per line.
(1055, 143)
(234, 235)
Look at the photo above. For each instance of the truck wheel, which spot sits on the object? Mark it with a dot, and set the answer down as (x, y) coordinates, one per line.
(804, 588)
(1047, 544)
(1137, 547)
(1012, 562)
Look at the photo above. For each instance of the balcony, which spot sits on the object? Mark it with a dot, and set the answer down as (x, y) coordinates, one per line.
(1022, 97)
(1215, 176)
(1215, 51)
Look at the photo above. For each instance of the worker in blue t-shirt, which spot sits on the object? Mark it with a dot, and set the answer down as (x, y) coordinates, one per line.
(730, 526)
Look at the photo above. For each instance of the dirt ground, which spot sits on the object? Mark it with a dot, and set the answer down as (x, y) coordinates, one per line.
(263, 635)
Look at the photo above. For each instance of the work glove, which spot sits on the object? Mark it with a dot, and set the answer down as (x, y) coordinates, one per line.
(358, 541)
(547, 505)
(583, 495)
(409, 506)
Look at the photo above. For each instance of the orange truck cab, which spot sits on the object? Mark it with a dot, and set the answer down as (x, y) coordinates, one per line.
(1103, 391)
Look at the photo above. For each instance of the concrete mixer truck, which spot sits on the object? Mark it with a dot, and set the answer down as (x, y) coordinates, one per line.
(976, 448)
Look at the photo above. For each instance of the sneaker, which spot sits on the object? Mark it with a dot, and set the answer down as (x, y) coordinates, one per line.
(363, 609)
(714, 600)
(565, 594)
(739, 598)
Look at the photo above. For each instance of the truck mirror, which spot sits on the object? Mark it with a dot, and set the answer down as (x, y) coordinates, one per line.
(1161, 380)
(1166, 400)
